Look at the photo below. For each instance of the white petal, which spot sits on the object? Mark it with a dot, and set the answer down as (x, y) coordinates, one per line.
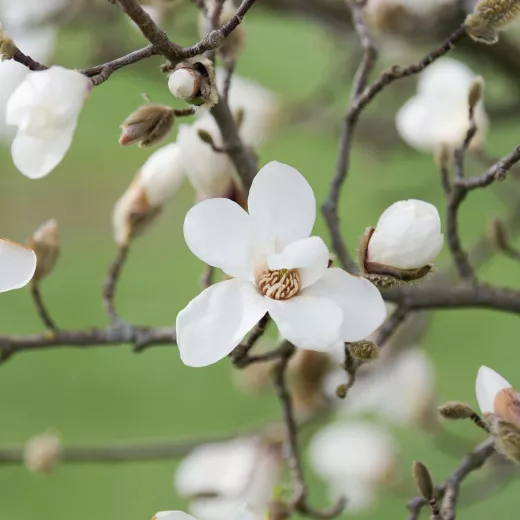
(489, 383)
(412, 124)
(307, 322)
(282, 201)
(243, 513)
(182, 84)
(172, 515)
(222, 468)
(218, 231)
(17, 265)
(309, 255)
(218, 508)
(361, 302)
(215, 322)
(36, 157)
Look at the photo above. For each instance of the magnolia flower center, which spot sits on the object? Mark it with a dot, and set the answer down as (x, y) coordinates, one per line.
(280, 284)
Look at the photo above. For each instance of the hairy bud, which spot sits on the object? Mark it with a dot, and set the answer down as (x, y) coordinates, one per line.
(341, 391)
(206, 137)
(44, 242)
(148, 125)
(476, 90)
(7, 47)
(506, 436)
(455, 410)
(193, 81)
(423, 480)
(498, 234)
(490, 16)
(42, 453)
(364, 350)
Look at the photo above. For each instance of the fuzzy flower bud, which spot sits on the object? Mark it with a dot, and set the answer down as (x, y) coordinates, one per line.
(423, 480)
(490, 16)
(157, 182)
(193, 81)
(44, 243)
(498, 234)
(148, 125)
(406, 240)
(42, 453)
(456, 411)
(364, 350)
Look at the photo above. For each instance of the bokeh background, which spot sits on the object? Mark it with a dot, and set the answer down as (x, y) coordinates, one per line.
(107, 394)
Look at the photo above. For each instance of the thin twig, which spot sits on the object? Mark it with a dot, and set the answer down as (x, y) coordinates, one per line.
(240, 354)
(390, 325)
(42, 310)
(109, 287)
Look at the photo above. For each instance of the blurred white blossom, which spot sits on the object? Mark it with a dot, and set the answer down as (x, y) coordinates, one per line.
(407, 236)
(25, 13)
(354, 458)
(45, 108)
(242, 513)
(439, 113)
(219, 478)
(17, 265)
(276, 268)
(42, 453)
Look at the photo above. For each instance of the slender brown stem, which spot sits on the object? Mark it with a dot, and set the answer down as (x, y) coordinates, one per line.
(42, 310)
(109, 287)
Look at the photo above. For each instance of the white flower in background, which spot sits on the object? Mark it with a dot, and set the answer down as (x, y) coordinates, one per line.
(354, 458)
(438, 114)
(156, 183)
(218, 478)
(42, 453)
(419, 8)
(240, 514)
(407, 236)
(45, 108)
(276, 268)
(17, 265)
(28, 12)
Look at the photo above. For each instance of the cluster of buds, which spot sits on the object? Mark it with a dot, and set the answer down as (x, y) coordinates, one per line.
(403, 245)
(490, 16)
(157, 181)
(147, 126)
(44, 242)
(193, 81)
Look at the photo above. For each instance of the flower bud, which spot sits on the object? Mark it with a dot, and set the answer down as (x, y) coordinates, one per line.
(44, 243)
(364, 350)
(455, 410)
(148, 125)
(406, 240)
(490, 16)
(423, 480)
(498, 234)
(507, 438)
(476, 91)
(157, 182)
(194, 81)
(42, 453)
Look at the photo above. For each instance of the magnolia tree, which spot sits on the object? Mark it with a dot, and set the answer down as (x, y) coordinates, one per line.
(347, 327)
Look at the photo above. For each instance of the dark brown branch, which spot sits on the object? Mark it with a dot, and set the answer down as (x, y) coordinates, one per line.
(42, 310)
(27, 61)
(109, 287)
(240, 355)
(450, 489)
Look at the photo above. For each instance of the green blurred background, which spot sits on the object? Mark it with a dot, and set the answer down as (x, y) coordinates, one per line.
(110, 394)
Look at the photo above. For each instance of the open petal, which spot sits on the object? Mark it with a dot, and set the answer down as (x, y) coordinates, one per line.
(309, 255)
(172, 515)
(283, 202)
(35, 157)
(489, 383)
(215, 322)
(17, 265)
(307, 322)
(218, 231)
(362, 304)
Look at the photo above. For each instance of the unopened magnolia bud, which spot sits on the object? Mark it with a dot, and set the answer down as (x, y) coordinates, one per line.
(42, 453)
(279, 510)
(455, 411)
(476, 91)
(44, 243)
(507, 438)
(498, 234)
(206, 137)
(443, 156)
(364, 350)
(423, 480)
(239, 116)
(341, 391)
(490, 16)
(148, 125)
(194, 81)
(7, 47)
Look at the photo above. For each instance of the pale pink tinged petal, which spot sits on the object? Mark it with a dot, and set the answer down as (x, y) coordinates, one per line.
(215, 322)
(361, 302)
(488, 384)
(17, 265)
(36, 157)
(283, 202)
(172, 515)
(309, 255)
(307, 322)
(218, 231)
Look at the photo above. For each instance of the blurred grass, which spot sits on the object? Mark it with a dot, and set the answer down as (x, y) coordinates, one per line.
(109, 394)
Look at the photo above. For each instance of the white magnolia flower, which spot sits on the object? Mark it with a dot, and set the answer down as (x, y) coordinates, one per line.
(17, 265)
(42, 453)
(276, 268)
(438, 114)
(45, 108)
(183, 83)
(239, 514)
(28, 12)
(354, 458)
(489, 387)
(418, 8)
(243, 470)
(407, 236)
